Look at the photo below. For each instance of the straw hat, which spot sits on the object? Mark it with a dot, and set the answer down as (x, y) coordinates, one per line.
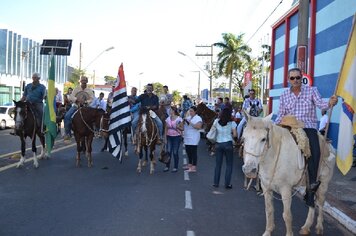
(291, 121)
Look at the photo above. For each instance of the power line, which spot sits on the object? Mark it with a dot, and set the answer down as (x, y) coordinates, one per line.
(264, 21)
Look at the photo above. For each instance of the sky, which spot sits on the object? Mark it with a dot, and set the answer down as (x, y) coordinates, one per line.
(146, 34)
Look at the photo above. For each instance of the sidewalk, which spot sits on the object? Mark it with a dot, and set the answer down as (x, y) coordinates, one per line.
(341, 198)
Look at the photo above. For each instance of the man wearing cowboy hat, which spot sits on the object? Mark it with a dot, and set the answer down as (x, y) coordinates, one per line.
(301, 101)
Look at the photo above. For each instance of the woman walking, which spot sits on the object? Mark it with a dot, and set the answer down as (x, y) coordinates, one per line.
(226, 130)
(173, 134)
(192, 125)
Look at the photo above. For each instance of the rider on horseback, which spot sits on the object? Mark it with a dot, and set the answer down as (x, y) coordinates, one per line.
(300, 100)
(150, 101)
(34, 93)
(80, 96)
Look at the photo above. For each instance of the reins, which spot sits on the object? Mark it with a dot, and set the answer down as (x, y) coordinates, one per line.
(81, 115)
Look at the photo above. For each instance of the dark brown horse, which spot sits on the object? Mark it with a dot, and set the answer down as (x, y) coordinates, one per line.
(146, 138)
(208, 116)
(26, 126)
(84, 122)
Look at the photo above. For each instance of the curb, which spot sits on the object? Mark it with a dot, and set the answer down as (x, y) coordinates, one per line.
(341, 217)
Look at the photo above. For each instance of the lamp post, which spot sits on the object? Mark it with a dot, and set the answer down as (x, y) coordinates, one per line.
(24, 55)
(106, 50)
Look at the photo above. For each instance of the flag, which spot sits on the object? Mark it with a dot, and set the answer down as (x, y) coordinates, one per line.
(120, 116)
(347, 90)
(50, 114)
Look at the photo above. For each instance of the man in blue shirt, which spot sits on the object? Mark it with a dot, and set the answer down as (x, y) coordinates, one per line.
(150, 101)
(35, 93)
(134, 108)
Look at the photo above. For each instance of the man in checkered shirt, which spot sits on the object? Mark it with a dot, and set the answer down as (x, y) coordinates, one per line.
(301, 101)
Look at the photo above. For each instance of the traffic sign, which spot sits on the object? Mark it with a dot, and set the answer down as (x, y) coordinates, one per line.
(307, 79)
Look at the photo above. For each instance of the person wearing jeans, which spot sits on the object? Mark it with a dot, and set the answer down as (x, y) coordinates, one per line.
(225, 131)
(173, 131)
(192, 125)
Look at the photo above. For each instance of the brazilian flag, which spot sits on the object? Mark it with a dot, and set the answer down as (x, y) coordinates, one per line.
(50, 114)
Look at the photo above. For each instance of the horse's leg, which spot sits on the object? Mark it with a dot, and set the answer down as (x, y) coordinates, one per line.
(144, 162)
(125, 143)
(34, 150)
(105, 147)
(88, 143)
(305, 230)
(152, 158)
(269, 208)
(286, 194)
(139, 166)
(44, 153)
(79, 149)
(23, 150)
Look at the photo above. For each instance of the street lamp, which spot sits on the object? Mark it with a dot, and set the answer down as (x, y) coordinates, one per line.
(106, 50)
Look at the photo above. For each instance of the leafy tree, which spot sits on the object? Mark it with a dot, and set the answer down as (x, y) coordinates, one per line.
(234, 54)
(75, 76)
(177, 98)
(109, 79)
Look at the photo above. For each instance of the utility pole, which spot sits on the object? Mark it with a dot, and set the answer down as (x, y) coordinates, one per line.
(211, 64)
(302, 41)
(80, 60)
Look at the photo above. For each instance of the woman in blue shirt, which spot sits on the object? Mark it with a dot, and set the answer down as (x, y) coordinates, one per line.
(226, 130)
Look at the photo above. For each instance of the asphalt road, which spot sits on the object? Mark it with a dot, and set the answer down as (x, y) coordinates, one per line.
(112, 199)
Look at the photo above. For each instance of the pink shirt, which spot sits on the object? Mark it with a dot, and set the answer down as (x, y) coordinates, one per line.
(171, 125)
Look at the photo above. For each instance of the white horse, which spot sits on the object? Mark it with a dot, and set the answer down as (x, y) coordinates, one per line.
(272, 150)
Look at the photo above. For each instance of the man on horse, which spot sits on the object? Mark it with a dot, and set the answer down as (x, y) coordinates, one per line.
(150, 101)
(301, 101)
(134, 108)
(34, 93)
(81, 96)
(255, 106)
(187, 103)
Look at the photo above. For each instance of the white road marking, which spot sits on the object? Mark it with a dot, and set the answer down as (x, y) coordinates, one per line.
(185, 161)
(186, 176)
(31, 159)
(190, 233)
(188, 200)
(30, 148)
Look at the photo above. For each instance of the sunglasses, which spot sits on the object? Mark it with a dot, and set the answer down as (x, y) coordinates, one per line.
(296, 77)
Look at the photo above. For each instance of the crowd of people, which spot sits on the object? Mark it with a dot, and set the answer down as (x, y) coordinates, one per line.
(183, 124)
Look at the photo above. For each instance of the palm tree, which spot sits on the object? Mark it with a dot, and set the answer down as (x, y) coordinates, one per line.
(233, 56)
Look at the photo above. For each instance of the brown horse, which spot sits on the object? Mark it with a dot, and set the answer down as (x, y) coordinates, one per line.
(146, 138)
(84, 122)
(26, 126)
(208, 116)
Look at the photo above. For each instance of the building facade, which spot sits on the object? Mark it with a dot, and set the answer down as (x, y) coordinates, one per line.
(330, 23)
(19, 59)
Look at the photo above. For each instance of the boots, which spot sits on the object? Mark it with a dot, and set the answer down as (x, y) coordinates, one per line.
(310, 194)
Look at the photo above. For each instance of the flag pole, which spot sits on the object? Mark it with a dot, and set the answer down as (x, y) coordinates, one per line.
(338, 79)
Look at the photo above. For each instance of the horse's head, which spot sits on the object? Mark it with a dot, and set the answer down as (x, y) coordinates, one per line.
(20, 114)
(143, 110)
(256, 141)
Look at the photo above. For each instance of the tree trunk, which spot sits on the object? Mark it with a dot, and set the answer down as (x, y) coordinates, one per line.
(230, 87)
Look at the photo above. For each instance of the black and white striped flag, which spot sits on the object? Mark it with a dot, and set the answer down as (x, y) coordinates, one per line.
(120, 116)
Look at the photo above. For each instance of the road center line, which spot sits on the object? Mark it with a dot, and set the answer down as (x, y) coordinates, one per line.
(186, 176)
(185, 161)
(31, 159)
(188, 200)
(190, 233)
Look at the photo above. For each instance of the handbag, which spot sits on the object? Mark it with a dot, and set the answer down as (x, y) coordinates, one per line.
(211, 135)
(165, 158)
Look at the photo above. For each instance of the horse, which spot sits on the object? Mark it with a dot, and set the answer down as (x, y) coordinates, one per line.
(272, 151)
(146, 138)
(26, 126)
(83, 128)
(61, 111)
(208, 116)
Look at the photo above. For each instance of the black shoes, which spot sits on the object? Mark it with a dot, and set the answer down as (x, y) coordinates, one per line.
(309, 198)
(228, 186)
(215, 185)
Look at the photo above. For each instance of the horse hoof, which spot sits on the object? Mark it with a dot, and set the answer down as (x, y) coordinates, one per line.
(19, 166)
(144, 163)
(319, 231)
(138, 171)
(303, 231)
(126, 154)
(36, 166)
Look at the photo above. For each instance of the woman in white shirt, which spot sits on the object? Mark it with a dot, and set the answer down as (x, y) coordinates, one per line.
(192, 125)
(226, 130)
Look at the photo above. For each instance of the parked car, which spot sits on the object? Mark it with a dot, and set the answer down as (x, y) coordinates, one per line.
(5, 119)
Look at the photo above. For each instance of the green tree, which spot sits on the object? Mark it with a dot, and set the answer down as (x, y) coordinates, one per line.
(177, 98)
(110, 80)
(75, 76)
(234, 54)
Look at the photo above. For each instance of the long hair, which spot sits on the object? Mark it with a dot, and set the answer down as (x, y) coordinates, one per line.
(224, 116)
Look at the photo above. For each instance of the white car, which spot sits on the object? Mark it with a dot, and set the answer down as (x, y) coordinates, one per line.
(5, 119)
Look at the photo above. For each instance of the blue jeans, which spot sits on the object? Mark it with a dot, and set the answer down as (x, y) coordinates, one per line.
(68, 120)
(157, 121)
(221, 150)
(173, 143)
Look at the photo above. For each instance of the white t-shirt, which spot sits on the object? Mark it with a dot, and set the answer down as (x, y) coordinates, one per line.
(323, 121)
(192, 135)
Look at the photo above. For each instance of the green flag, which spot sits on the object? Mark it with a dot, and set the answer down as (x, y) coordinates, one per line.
(50, 114)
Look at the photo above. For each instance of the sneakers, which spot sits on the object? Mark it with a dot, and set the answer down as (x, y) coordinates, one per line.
(174, 170)
(186, 167)
(165, 169)
(66, 138)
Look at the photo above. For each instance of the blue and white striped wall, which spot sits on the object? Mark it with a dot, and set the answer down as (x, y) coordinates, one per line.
(332, 26)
